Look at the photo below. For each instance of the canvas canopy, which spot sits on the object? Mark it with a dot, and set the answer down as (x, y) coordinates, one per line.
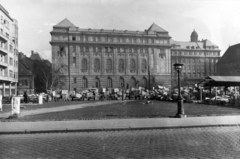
(221, 81)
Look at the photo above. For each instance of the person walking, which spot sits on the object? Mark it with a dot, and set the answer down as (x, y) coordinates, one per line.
(25, 97)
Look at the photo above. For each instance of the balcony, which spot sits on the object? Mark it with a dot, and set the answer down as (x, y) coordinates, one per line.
(3, 64)
(3, 37)
(4, 51)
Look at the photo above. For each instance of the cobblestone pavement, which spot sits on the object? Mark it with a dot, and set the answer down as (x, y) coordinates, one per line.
(208, 142)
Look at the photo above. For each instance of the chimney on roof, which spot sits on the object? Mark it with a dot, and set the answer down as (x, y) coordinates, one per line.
(32, 52)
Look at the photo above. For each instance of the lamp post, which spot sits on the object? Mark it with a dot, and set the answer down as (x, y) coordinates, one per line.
(180, 112)
(122, 85)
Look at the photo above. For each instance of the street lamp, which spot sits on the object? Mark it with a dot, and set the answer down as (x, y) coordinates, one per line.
(180, 112)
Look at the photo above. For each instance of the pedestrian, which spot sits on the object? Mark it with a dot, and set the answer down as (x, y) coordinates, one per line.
(25, 97)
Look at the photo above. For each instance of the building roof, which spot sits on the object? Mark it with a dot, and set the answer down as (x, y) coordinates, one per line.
(36, 56)
(187, 45)
(221, 81)
(156, 28)
(209, 43)
(65, 24)
(22, 70)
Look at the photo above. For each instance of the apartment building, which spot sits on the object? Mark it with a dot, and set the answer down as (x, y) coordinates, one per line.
(8, 53)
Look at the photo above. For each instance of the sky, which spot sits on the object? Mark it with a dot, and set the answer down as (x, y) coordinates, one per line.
(215, 20)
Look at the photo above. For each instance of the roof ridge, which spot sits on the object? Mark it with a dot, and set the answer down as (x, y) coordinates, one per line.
(65, 23)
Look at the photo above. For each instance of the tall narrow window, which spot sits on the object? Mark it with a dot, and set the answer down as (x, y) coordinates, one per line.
(144, 64)
(109, 64)
(132, 64)
(74, 61)
(144, 82)
(133, 82)
(84, 65)
(74, 80)
(97, 82)
(96, 64)
(121, 82)
(121, 65)
(84, 82)
(109, 82)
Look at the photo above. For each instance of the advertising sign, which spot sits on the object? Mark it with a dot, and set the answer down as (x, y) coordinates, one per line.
(15, 105)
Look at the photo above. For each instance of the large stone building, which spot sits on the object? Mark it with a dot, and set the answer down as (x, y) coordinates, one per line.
(111, 58)
(199, 59)
(229, 64)
(8, 53)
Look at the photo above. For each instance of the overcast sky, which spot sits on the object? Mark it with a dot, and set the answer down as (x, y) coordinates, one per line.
(216, 20)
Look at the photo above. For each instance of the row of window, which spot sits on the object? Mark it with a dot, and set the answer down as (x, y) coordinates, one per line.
(109, 82)
(195, 61)
(196, 53)
(119, 39)
(109, 64)
(10, 73)
(109, 49)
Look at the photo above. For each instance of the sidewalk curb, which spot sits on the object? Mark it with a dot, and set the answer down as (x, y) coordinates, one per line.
(111, 129)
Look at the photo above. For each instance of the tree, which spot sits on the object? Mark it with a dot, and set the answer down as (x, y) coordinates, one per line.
(47, 77)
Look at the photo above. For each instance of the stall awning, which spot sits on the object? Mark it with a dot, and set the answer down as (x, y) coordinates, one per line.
(221, 81)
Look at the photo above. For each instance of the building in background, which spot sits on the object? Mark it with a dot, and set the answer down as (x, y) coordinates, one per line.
(229, 64)
(8, 53)
(34, 73)
(25, 80)
(36, 56)
(111, 58)
(199, 59)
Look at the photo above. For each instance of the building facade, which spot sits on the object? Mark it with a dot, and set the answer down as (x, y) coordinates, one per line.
(111, 58)
(25, 80)
(8, 54)
(199, 59)
(229, 64)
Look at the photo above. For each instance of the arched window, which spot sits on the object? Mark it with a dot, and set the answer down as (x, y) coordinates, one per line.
(121, 65)
(97, 82)
(109, 64)
(84, 82)
(133, 82)
(121, 82)
(84, 65)
(132, 64)
(144, 82)
(144, 64)
(109, 82)
(96, 64)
